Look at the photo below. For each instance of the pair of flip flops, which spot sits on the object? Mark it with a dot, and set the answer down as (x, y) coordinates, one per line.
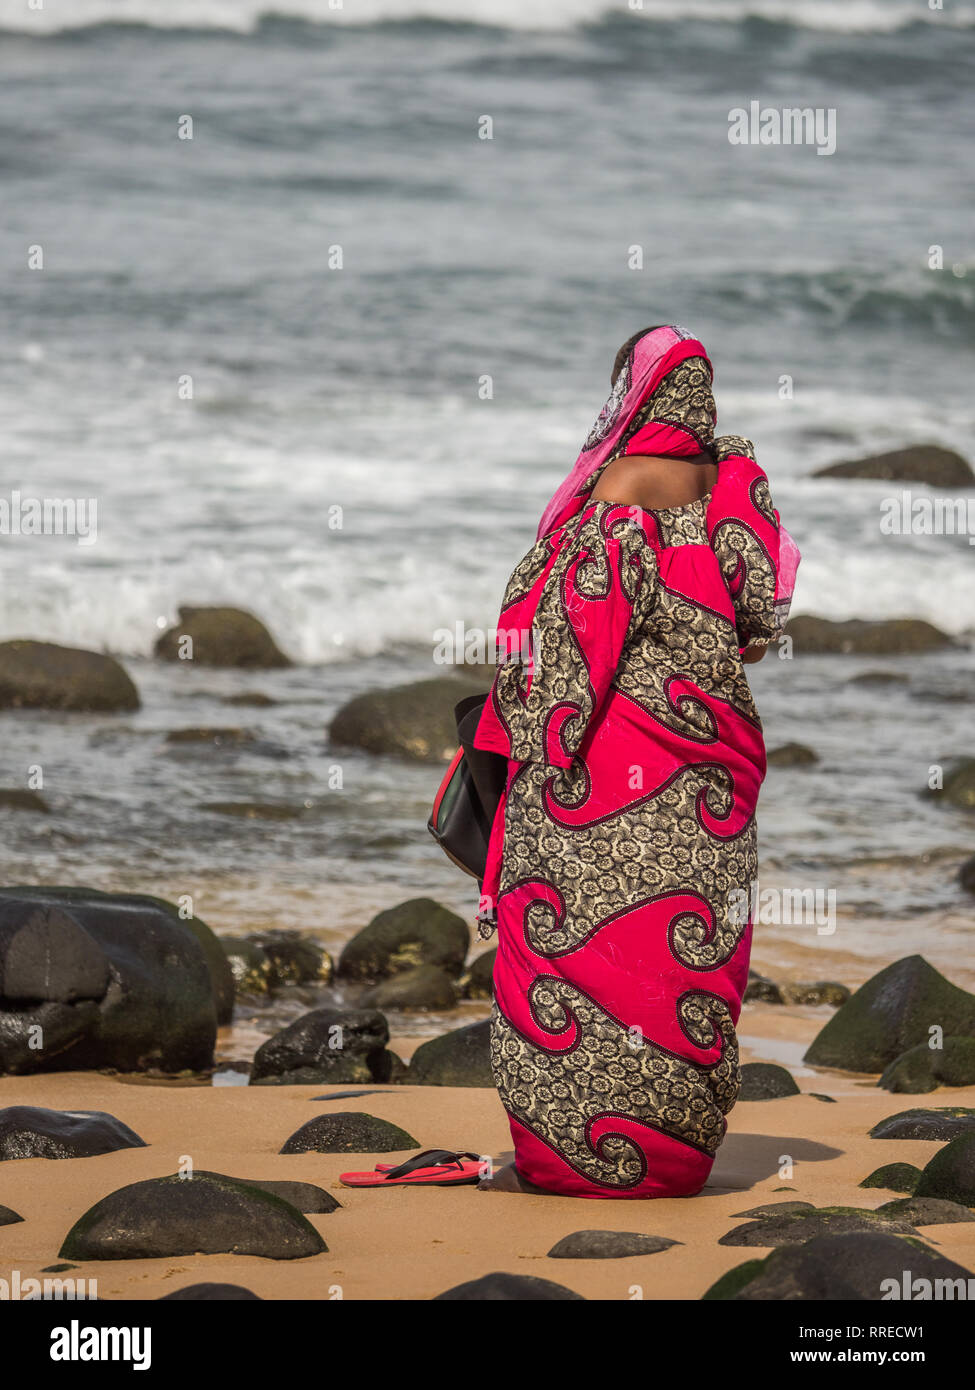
(432, 1168)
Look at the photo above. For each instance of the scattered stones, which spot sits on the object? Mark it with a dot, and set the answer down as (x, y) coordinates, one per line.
(20, 799)
(919, 463)
(895, 1177)
(792, 755)
(413, 721)
(951, 1173)
(766, 1081)
(923, 1068)
(206, 1214)
(349, 1132)
(42, 675)
(7, 1216)
(796, 1227)
(220, 637)
(477, 981)
(423, 987)
(329, 1045)
(889, 1014)
(608, 1245)
(515, 1288)
(861, 1267)
(942, 1123)
(29, 1131)
(461, 1057)
(890, 636)
(926, 1211)
(417, 932)
(966, 875)
(210, 1293)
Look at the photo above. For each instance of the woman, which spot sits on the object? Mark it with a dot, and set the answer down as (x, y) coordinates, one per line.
(625, 844)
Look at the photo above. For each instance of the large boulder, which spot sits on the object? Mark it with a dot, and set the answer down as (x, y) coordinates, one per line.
(29, 1131)
(923, 1068)
(892, 1012)
(959, 784)
(461, 1057)
(205, 1214)
(413, 721)
(210, 1293)
(348, 1132)
(423, 987)
(939, 1124)
(919, 463)
(857, 637)
(950, 1175)
(42, 675)
(766, 1081)
(100, 980)
(329, 1045)
(417, 932)
(508, 1288)
(220, 637)
(796, 1227)
(294, 959)
(608, 1245)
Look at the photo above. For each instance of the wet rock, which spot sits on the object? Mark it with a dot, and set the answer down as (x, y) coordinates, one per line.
(295, 959)
(792, 755)
(112, 980)
(221, 637)
(42, 675)
(924, 1068)
(210, 1293)
(890, 636)
(895, 1177)
(514, 1288)
(9, 1217)
(29, 1131)
(942, 1123)
(966, 875)
(889, 1014)
(919, 463)
(765, 1081)
(608, 1245)
(20, 799)
(951, 1173)
(249, 964)
(205, 1214)
(880, 678)
(461, 1057)
(329, 1045)
(794, 1228)
(816, 992)
(413, 721)
(477, 981)
(417, 932)
(926, 1211)
(861, 1267)
(777, 1209)
(423, 987)
(254, 810)
(959, 785)
(303, 1196)
(349, 1132)
(254, 699)
(762, 990)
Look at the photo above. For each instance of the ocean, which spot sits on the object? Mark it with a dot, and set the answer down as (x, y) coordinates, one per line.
(336, 300)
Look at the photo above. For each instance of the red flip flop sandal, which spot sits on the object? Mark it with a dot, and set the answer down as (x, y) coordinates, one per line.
(432, 1168)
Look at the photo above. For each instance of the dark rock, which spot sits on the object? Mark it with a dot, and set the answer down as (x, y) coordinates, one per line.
(349, 1132)
(303, 1196)
(607, 1245)
(461, 1057)
(7, 1216)
(477, 981)
(58, 1269)
(926, 1211)
(766, 1081)
(959, 785)
(513, 1288)
(792, 755)
(818, 1095)
(924, 1068)
(28, 1131)
(423, 987)
(221, 637)
(249, 964)
(895, 1177)
(816, 992)
(889, 1014)
(295, 959)
(966, 875)
(20, 799)
(418, 932)
(205, 1214)
(891, 636)
(777, 1209)
(861, 1267)
(880, 678)
(794, 1228)
(413, 721)
(255, 699)
(950, 1175)
(41, 675)
(254, 810)
(762, 990)
(943, 1123)
(919, 463)
(329, 1045)
(210, 1293)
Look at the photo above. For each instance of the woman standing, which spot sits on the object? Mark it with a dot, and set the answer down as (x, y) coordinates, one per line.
(625, 844)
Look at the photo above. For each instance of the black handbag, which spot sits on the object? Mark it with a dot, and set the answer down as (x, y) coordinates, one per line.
(465, 805)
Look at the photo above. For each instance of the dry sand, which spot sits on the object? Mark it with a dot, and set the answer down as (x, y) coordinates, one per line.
(413, 1244)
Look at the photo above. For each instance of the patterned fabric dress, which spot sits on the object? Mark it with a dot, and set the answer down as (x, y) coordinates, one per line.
(626, 839)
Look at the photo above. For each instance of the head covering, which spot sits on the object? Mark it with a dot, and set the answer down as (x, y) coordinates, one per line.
(661, 404)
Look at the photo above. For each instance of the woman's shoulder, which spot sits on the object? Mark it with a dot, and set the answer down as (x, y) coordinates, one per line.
(649, 482)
